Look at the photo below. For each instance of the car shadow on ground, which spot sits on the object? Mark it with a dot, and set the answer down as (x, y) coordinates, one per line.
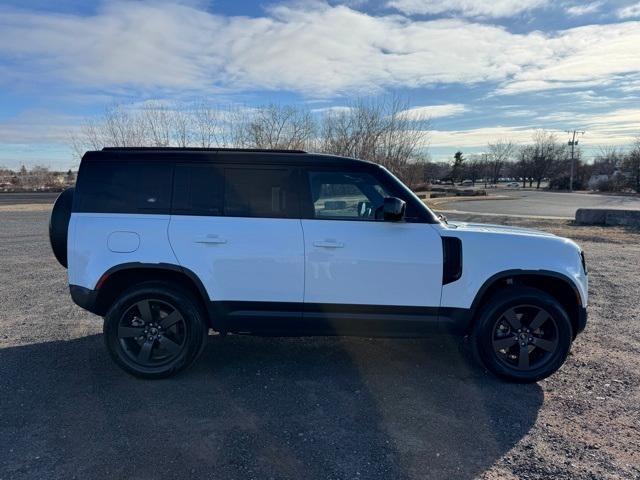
(259, 408)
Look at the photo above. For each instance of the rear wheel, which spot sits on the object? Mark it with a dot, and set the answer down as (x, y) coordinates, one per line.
(155, 330)
(523, 335)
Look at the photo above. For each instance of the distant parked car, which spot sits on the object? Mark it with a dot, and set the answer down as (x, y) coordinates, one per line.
(466, 183)
(512, 185)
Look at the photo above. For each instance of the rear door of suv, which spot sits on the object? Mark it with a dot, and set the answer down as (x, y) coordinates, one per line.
(237, 227)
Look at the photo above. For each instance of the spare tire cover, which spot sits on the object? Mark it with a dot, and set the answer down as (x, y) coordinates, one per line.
(59, 225)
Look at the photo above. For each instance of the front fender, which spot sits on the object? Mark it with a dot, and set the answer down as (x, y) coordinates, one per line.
(487, 257)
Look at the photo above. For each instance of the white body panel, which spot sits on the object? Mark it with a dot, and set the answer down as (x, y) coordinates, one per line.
(491, 249)
(100, 241)
(372, 263)
(242, 259)
(375, 263)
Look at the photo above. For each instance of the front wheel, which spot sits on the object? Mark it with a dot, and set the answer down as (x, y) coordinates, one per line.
(523, 335)
(155, 330)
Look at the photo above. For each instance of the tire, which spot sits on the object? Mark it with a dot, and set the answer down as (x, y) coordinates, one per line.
(155, 329)
(59, 225)
(524, 354)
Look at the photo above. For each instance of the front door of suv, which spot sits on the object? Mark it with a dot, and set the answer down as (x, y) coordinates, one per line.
(362, 272)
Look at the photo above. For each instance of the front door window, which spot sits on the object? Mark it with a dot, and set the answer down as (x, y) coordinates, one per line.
(346, 196)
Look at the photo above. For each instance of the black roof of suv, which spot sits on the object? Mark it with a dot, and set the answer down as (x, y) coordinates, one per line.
(239, 155)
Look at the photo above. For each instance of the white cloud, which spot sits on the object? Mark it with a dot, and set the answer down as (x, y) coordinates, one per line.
(584, 9)
(478, 137)
(332, 110)
(433, 111)
(593, 55)
(521, 112)
(630, 11)
(617, 127)
(318, 50)
(467, 8)
(38, 137)
(37, 126)
(630, 87)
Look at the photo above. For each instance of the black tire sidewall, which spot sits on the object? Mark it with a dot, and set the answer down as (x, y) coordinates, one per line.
(196, 328)
(59, 225)
(483, 333)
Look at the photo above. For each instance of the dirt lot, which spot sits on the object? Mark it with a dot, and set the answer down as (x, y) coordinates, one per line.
(324, 408)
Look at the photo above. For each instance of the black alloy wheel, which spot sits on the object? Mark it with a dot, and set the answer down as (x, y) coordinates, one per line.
(522, 334)
(152, 332)
(525, 337)
(155, 329)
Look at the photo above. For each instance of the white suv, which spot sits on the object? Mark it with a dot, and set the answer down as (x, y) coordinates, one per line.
(168, 243)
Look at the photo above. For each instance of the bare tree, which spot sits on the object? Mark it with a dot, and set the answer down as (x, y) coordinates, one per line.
(157, 124)
(474, 168)
(181, 128)
(117, 127)
(524, 165)
(88, 138)
(499, 154)
(413, 173)
(542, 157)
(207, 125)
(486, 170)
(435, 171)
(283, 127)
(377, 130)
(123, 127)
(608, 160)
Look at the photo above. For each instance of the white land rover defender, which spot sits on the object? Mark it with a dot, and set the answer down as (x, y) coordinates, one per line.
(168, 243)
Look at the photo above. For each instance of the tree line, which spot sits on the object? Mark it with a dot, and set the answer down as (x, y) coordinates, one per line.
(545, 159)
(376, 130)
(35, 178)
(380, 130)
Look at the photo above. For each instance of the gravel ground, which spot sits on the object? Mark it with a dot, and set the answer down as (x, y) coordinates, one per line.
(311, 408)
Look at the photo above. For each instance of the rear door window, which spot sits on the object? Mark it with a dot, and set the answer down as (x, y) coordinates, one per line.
(198, 190)
(260, 192)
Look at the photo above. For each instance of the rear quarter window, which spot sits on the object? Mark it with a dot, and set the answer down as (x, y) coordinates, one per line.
(125, 187)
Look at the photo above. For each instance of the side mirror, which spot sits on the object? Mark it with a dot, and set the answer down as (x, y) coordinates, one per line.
(393, 209)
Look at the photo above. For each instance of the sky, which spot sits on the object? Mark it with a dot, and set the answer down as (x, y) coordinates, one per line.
(480, 70)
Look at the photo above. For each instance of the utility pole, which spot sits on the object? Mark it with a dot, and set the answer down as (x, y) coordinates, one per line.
(572, 143)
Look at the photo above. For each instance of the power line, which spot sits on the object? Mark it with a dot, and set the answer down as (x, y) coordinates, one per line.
(572, 143)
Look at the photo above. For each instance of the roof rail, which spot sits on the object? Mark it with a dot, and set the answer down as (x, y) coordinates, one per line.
(197, 149)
